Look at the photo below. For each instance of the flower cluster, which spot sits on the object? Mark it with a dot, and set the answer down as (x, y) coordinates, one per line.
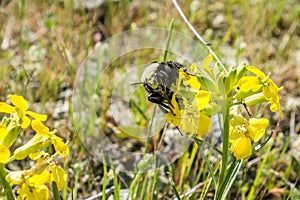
(242, 86)
(32, 181)
(188, 114)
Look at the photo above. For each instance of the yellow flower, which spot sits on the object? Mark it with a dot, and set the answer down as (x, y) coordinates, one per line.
(189, 80)
(201, 100)
(20, 108)
(263, 83)
(60, 147)
(28, 192)
(193, 120)
(59, 176)
(242, 132)
(42, 139)
(32, 182)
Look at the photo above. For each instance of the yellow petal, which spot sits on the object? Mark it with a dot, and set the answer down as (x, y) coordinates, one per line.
(5, 108)
(3, 132)
(60, 147)
(204, 125)
(37, 180)
(175, 120)
(27, 192)
(248, 83)
(38, 155)
(189, 122)
(241, 148)
(37, 116)
(202, 99)
(19, 102)
(25, 122)
(207, 61)
(234, 134)
(4, 154)
(194, 83)
(59, 176)
(256, 71)
(40, 128)
(257, 128)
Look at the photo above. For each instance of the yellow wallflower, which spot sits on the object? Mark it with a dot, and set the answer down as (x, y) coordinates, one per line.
(190, 119)
(41, 140)
(59, 176)
(263, 83)
(32, 182)
(27, 192)
(20, 109)
(60, 147)
(242, 132)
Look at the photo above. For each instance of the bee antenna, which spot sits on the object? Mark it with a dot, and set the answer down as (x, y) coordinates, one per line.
(137, 83)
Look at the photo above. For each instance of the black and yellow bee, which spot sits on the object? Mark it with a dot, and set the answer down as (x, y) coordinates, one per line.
(160, 81)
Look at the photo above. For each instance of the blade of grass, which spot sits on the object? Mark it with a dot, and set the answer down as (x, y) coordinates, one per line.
(183, 161)
(200, 141)
(168, 40)
(117, 186)
(230, 178)
(191, 161)
(154, 183)
(104, 176)
(259, 174)
(171, 181)
(197, 140)
(144, 188)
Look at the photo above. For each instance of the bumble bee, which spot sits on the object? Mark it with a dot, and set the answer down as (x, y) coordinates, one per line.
(160, 81)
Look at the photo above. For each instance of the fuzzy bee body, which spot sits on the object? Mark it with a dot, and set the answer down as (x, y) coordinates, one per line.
(160, 81)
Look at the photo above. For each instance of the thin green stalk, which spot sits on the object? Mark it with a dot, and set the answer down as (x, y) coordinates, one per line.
(259, 174)
(200, 141)
(173, 184)
(155, 181)
(225, 148)
(229, 179)
(133, 185)
(168, 40)
(207, 163)
(150, 129)
(191, 161)
(144, 187)
(6, 186)
(206, 189)
(65, 189)
(55, 191)
(104, 177)
(183, 161)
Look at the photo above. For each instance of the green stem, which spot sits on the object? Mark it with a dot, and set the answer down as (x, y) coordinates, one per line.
(169, 39)
(55, 191)
(6, 186)
(225, 144)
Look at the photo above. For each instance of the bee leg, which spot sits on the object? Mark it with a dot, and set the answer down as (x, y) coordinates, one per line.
(158, 99)
(179, 131)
